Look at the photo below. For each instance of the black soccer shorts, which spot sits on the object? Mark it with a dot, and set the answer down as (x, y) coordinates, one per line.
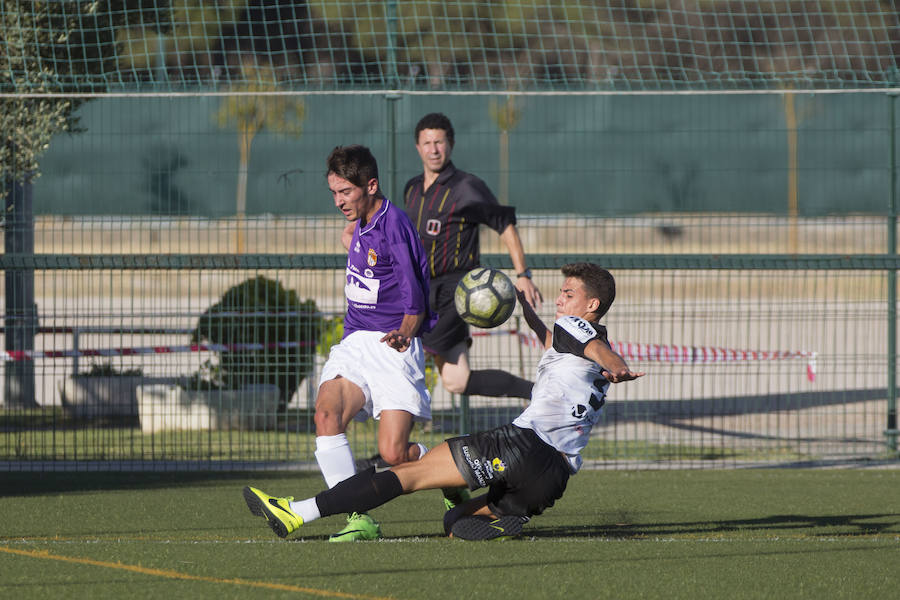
(450, 329)
(523, 474)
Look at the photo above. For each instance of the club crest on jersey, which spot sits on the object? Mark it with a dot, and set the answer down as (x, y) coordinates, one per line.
(432, 227)
(372, 258)
(498, 465)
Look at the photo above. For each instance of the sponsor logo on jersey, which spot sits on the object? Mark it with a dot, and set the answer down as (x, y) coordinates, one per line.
(578, 328)
(372, 258)
(579, 411)
(432, 227)
(361, 290)
(356, 247)
(368, 273)
(498, 465)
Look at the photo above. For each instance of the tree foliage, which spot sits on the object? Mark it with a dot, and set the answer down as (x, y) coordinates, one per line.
(497, 44)
(49, 47)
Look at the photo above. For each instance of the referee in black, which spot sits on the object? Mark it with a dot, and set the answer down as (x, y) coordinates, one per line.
(447, 205)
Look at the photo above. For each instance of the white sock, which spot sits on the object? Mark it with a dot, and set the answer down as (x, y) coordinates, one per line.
(307, 509)
(422, 449)
(335, 458)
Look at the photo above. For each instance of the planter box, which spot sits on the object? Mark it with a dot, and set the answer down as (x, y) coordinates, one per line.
(169, 407)
(93, 396)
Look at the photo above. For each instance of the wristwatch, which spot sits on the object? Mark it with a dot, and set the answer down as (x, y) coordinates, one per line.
(525, 273)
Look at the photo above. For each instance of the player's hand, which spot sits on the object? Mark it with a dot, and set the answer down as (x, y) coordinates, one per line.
(621, 375)
(529, 292)
(397, 340)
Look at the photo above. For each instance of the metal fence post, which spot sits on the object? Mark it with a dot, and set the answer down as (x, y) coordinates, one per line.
(465, 415)
(392, 74)
(76, 332)
(392, 193)
(891, 431)
(21, 319)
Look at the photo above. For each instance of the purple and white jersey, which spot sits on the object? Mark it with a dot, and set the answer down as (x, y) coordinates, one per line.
(387, 276)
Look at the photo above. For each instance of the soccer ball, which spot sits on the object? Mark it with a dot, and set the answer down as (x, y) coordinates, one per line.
(485, 297)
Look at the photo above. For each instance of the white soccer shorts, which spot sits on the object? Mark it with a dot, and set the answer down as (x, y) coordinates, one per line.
(389, 379)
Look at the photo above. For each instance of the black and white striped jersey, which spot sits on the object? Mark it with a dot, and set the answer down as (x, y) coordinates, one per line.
(569, 392)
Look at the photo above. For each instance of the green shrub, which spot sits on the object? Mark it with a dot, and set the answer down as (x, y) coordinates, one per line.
(262, 311)
(331, 333)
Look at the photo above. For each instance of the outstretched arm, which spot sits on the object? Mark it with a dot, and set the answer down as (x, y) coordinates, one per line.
(534, 322)
(614, 368)
(510, 238)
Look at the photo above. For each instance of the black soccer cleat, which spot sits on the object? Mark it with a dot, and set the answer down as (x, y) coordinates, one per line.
(367, 463)
(478, 527)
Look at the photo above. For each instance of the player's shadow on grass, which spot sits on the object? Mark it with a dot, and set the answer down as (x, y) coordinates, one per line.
(680, 414)
(809, 525)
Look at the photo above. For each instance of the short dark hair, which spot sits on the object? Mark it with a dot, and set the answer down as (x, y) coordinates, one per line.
(598, 282)
(435, 121)
(354, 163)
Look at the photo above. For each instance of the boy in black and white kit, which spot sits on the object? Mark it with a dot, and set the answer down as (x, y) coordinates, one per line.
(526, 464)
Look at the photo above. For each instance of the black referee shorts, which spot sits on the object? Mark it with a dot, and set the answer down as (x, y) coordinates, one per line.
(523, 474)
(450, 329)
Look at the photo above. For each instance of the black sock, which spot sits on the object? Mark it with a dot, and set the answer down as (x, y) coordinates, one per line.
(365, 490)
(494, 382)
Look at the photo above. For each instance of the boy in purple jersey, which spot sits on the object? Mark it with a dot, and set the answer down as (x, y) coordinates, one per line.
(524, 465)
(378, 369)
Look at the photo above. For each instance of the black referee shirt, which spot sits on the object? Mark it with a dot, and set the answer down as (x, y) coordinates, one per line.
(448, 214)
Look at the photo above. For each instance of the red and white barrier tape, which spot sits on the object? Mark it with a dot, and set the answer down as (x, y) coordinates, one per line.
(628, 350)
(706, 354)
(15, 355)
(682, 354)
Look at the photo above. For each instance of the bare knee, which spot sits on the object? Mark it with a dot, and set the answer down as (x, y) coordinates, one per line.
(455, 380)
(336, 403)
(455, 386)
(394, 455)
(455, 375)
(328, 420)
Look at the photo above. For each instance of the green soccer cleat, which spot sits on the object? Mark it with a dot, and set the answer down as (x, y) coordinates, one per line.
(277, 511)
(360, 526)
(455, 496)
